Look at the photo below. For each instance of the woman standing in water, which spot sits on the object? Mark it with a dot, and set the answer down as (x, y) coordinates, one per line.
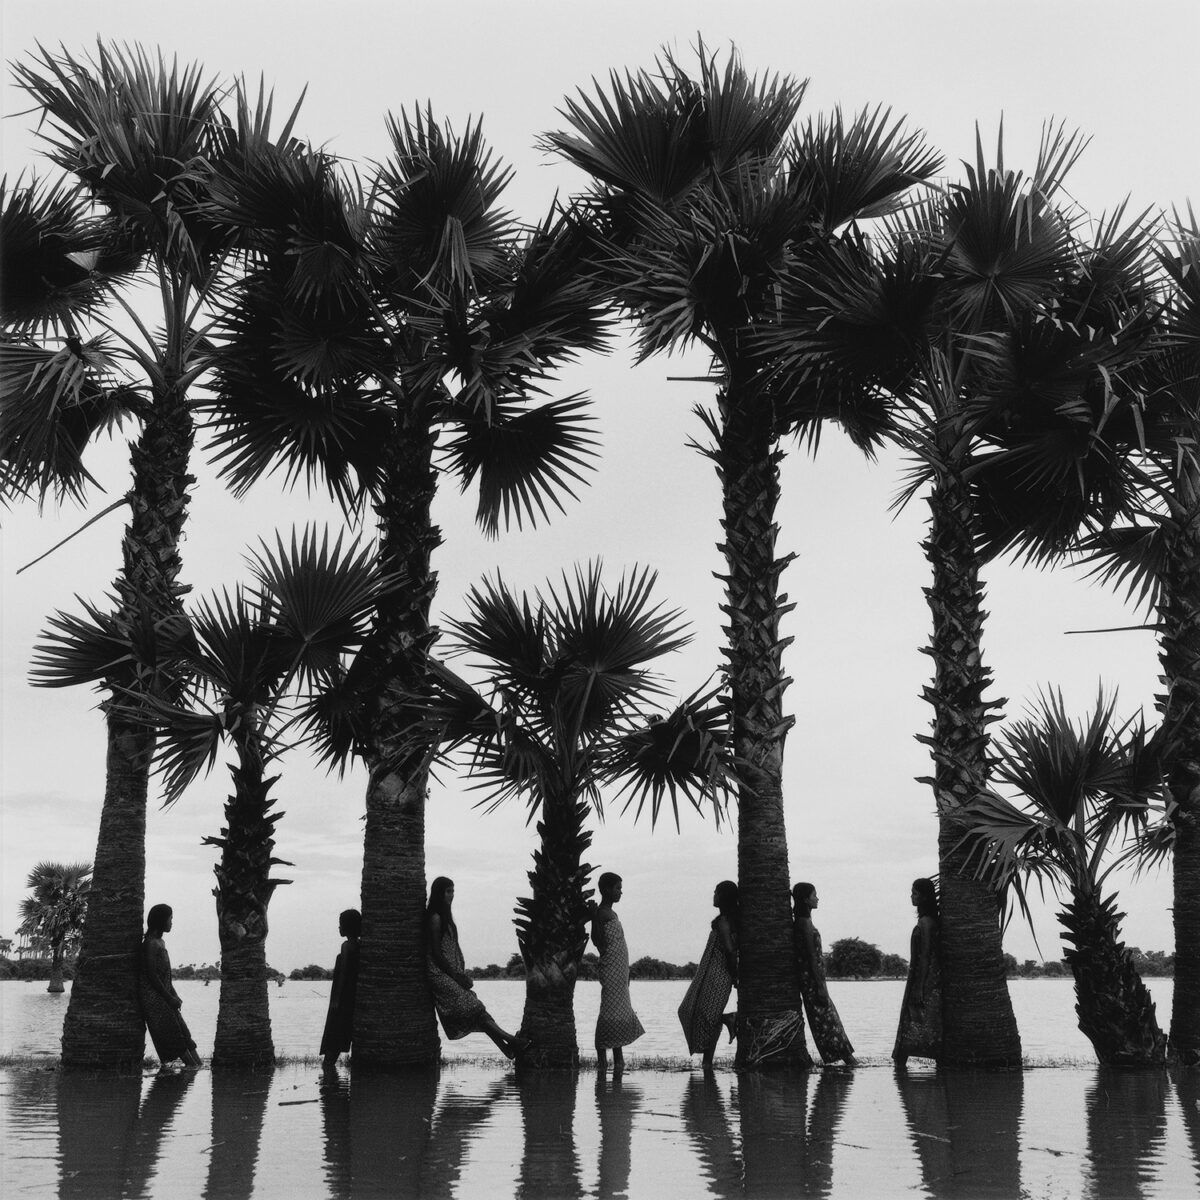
(702, 1012)
(160, 1001)
(920, 1031)
(460, 1010)
(617, 1024)
(823, 1020)
(339, 1020)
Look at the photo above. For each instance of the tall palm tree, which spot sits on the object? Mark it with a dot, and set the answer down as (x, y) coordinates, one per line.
(142, 139)
(1011, 351)
(243, 668)
(704, 196)
(373, 319)
(1157, 554)
(568, 711)
(54, 914)
(1080, 784)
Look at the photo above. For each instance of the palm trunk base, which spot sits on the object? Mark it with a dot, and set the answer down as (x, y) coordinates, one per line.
(774, 1042)
(549, 1024)
(243, 1041)
(104, 1029)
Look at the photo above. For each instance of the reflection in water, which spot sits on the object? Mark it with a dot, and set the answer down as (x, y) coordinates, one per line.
(1187, 1091)
(707, 1125)
(967, 1136)
(239, 1103)
(550, 1163)
(460, 1121)
(390, 1121)
(154, 1121)
(96, 1118)
(335, 1129)
(1126, 1124)
(617, 1104)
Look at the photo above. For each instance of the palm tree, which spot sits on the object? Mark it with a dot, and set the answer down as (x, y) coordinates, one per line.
(243, 668)
(1080, 785)
(1157, 554)
(566, 714)
(142, 138)
(373, 319)
(53, 915)
(1012, 353)
(703, 198)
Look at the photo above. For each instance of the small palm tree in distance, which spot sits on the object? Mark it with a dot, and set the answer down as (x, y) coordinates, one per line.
(53, 915)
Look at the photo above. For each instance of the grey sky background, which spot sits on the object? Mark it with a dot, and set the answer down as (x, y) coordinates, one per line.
(859, 825)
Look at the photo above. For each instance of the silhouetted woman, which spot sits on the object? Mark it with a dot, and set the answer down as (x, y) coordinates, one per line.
(339, 1020)
(823, 1020)
(702, 1012)
(616, 1024)
(920, 1031)
(460, 1010)
(160, 1001)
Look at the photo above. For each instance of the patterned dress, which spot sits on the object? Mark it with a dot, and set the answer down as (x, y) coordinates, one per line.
(460, 1011)
(168, 1030)
(702, 1007)
(617, 1025)
(339, 1020)
(828, 1034)
(920, 1031)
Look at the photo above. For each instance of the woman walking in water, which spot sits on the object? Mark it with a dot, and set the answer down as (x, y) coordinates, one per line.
(920, 1031)
(459, 1009)
(702, 1012)
(160, 1001)
(617, 1024)
(823, 1020)
(339, 1020)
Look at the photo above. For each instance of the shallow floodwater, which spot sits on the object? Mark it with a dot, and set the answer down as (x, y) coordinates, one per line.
(475, 1129)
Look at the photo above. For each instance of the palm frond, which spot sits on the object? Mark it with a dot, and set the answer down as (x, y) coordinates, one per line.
(1131, 556)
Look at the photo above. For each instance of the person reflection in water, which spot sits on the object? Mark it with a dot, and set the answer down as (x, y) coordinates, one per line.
(823, 1020)
(702, 1011)
(160, 1002)
(617, 1025)
(460, 1010)
(920, 1031)
(339, 1020)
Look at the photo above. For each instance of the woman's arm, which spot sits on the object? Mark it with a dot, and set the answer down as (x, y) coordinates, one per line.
(157, 970)
(924, 956)
(728, 940)
(600, 930)
(440, 961)
(809, 958)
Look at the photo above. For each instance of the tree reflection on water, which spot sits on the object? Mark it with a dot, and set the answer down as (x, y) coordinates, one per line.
(1126, 1125)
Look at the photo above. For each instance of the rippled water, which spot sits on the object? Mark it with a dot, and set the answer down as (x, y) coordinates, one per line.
(475, 1129)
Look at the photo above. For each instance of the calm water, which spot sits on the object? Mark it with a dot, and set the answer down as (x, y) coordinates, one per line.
(476, 1130)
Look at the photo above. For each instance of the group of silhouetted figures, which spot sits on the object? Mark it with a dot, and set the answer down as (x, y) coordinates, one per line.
(702, 1013)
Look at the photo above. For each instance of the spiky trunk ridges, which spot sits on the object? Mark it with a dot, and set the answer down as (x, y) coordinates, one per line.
(979, 1028)
(1179, 653)
(552, 933)
(748, 467)
(104, 1027)
(394, 1023)
(1115, 1011)
(243, 892)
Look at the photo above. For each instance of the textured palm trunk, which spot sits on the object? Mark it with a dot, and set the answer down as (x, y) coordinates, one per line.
(104, 1027)
(770, 1026)
(243, 892)
(56, 971)
(552, 933)
(979, 1026)
(1179, 653)
(1114, 1008)
(394, 1023)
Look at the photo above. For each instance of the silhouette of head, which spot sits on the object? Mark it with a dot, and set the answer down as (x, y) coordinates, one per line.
(925, 897)
(158, 918)
(438, 902)
(350, 923)
(802, 895)
(607, 883)
(726, 897)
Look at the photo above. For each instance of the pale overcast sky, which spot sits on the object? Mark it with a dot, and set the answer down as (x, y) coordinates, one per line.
(859, 825)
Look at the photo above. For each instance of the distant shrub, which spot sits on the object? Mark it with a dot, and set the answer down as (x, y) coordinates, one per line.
(312, 971)
(850, 958)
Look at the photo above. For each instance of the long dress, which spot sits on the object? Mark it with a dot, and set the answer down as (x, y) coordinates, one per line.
(339, 1020)
(168, 1030)
(617, 1024)
(704, 1004)
(460, 1011)
(823, 1020)
(920, 1029)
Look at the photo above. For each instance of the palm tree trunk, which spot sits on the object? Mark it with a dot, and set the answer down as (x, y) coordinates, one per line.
(552, 933)
(769, 987)
(1179, 653)
(56, 970)
(1114, 1008)
(394, 1023)
(104, 1027)
(243, 892)
(979, 1026)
